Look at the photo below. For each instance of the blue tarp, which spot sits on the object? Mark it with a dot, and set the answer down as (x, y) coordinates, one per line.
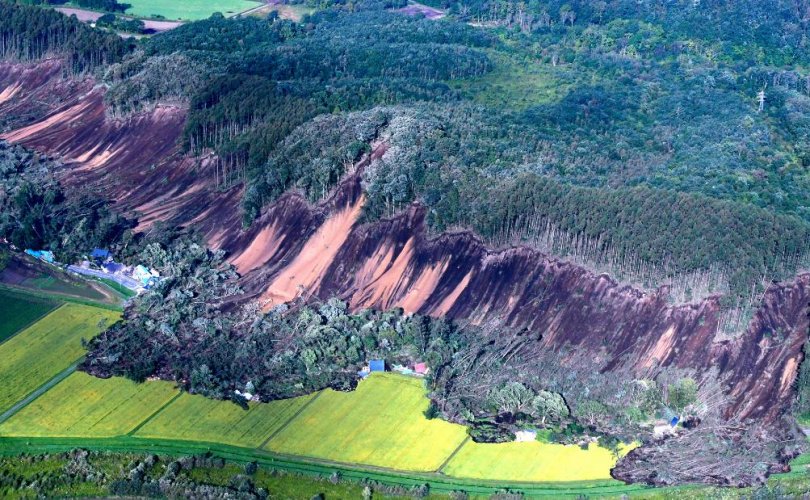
(45, 255)
(377, 365)
(100, 253)
(674, 421)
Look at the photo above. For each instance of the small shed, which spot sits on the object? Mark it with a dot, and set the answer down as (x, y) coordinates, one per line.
(421, 368)
(376, 365)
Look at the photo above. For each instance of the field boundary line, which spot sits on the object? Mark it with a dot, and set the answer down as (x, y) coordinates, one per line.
(60, 297)
(56, 307)
(313, 467)
(155, 413)
(452, 455)
(39, 391)
(289, 420)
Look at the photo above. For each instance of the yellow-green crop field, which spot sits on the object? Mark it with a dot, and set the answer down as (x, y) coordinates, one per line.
(86, 406)
(196, 418)
(380, 424)
(43, 350)
(531, 461)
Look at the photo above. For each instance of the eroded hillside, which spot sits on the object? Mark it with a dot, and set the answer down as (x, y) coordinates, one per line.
(295, 249)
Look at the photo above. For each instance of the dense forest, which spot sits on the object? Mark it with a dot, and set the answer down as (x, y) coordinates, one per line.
(612, 128)
(29, 33)
(37, 213)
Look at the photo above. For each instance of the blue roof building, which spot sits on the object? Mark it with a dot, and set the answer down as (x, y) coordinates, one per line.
(376, 365)
(100, 253)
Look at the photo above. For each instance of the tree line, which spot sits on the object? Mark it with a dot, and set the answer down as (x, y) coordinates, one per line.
(29, 33)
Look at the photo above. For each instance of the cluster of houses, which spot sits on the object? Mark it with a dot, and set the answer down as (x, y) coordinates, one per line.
(418, 369)
(100, 264)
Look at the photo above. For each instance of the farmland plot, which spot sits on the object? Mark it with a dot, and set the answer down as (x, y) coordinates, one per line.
(381, 424)
(85, 406)
(18, 310)
(196, 418)
(532, 461)
(46, 348)
(188, 10)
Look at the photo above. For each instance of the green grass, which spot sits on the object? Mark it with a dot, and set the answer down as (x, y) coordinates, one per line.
(379, 424)
(196, 418)
(43, 350)
(187, 10)
(18, 310)
(118, 288)
(52, 284)
(83, 405)
(516, 83)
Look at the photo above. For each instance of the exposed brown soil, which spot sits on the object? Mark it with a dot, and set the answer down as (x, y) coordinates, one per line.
(296, 248)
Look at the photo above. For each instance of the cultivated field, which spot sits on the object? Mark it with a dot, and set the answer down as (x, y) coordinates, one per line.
(85, 406)
(18, 310)
(380, 424)
(533, 461)
(196, 418)
(43, 350)
(188, 10)
(292, 12)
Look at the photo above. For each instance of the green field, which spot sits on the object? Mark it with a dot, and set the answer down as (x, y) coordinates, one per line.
(187, 10)
(43, 350)
(86, 406)
(19, 310)
(380, 424)
(534, 461)
(196, 418)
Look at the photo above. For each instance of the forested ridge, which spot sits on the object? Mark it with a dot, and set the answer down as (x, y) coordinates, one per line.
(646, 102)
(29, 33)
(667, 137)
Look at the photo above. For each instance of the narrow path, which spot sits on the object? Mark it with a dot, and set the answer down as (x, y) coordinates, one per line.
(39, 391)
(153, 415)
(447, 461)
(252, 10)
(289, 420)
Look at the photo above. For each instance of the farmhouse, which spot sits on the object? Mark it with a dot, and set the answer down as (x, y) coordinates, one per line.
(100, 255)
(525, 436)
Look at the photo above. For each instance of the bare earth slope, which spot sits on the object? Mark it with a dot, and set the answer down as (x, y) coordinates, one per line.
(295, 248)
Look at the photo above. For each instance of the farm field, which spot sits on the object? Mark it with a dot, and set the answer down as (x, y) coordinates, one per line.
(19, 310)
(86, 406)
(196, 418)
(188, 10)
(46, 348)
(380, 424)
(532, 461)
(292, 12)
